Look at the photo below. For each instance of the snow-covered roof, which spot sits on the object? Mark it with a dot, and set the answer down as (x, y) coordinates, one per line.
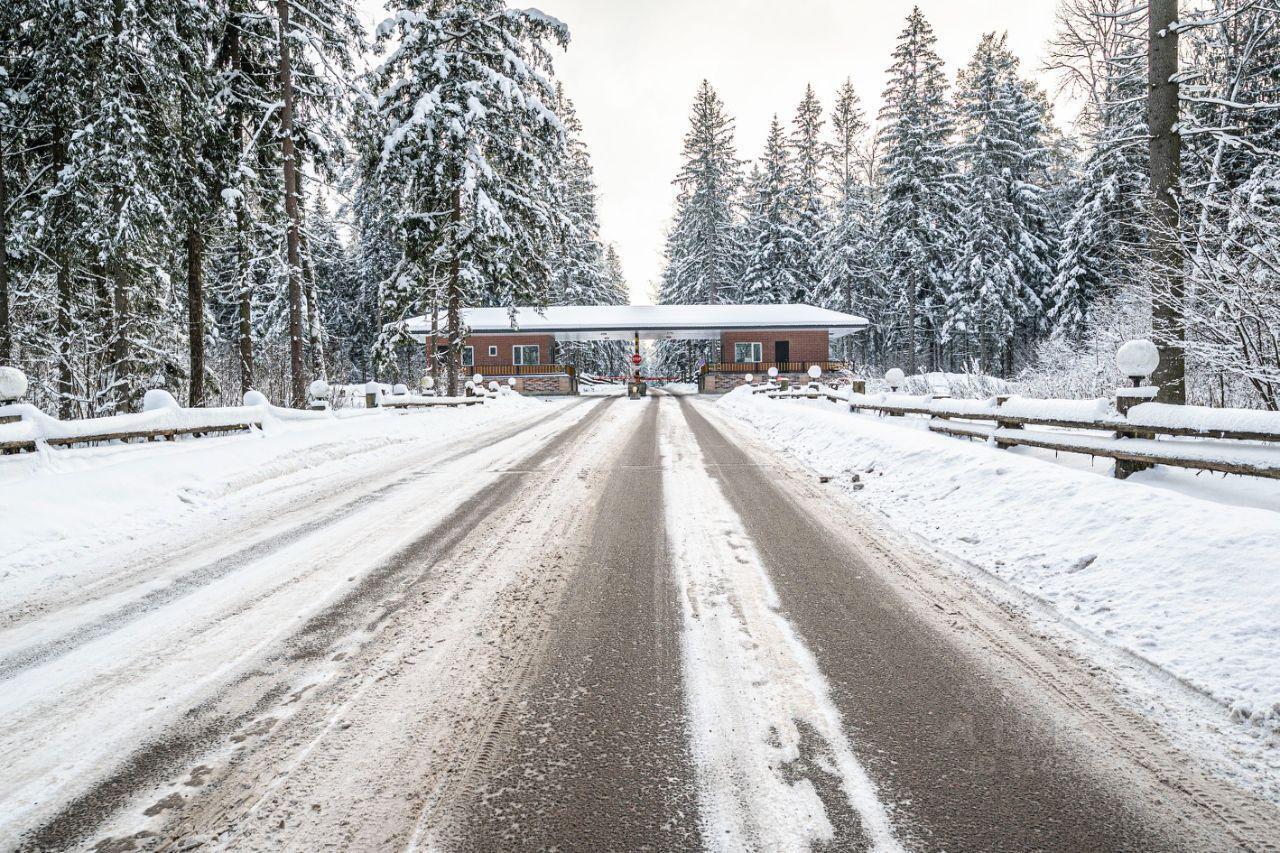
(653, 322)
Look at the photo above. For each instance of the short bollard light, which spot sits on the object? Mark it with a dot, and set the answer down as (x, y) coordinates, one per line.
(13, 385)
(895, 378)
(478, 379)
(773, 373)
(319, 392)
(428, 384)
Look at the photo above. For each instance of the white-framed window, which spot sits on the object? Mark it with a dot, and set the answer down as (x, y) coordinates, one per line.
(468, 356)
(528, 354)
(493, 351)
(748, 353)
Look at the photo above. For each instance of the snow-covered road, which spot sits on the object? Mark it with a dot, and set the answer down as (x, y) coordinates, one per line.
(600, 624)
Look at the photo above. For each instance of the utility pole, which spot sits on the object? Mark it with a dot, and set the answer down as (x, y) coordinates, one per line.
(1167, 320)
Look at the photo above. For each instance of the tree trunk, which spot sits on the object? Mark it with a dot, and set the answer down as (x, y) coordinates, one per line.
(315, 325)
(911, 325)
(244, 293)
(6, 323)
(195, 311)
(297, 371)
(453, 306)
(1168, 324)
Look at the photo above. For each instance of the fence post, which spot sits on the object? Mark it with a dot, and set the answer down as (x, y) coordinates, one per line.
(1001, 399)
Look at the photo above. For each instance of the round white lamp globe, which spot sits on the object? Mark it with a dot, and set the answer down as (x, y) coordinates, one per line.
(13, 384)
(773, 373)
(750, 378)
(1137, 359)
(478, 379)
(429, 383)
(814, 371)
(319, 389)
(895, 377)
(512, 382)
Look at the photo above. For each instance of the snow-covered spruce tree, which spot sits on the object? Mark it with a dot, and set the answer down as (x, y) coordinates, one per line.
(847, 260)
(703, 253)
(470, 158)
(810, 154)
(314, 37)
(108, 93)
(1103, 237)
(778, 256)
(579, 275)
(1005, 243)
(918, 211)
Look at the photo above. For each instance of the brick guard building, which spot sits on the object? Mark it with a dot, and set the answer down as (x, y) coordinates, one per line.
(752, 339)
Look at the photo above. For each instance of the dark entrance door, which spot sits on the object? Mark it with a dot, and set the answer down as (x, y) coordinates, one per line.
(782, 351)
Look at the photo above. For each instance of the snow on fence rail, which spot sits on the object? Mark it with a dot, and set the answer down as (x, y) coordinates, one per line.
(23, 427)
(1226, 440)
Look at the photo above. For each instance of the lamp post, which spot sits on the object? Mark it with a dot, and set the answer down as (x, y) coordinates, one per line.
(1136, 360)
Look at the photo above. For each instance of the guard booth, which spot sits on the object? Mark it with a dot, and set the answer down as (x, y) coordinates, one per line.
(520, 342)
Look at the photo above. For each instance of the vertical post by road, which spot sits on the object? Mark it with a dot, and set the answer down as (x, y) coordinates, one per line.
(298, 380)
(1167, 320)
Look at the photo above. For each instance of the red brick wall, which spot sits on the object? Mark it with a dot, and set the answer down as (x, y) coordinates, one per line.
(805, 345)
(504, 343)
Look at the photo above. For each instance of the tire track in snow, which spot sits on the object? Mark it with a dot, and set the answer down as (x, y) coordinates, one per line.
(274, 672)
(776, 770)
(955, 730)
(191, 581)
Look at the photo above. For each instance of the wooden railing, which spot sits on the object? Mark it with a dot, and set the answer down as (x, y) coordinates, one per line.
(762, 367)
(488, 370)
(1131, 439)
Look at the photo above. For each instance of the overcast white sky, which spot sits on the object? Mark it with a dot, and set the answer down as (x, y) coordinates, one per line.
(633, 66)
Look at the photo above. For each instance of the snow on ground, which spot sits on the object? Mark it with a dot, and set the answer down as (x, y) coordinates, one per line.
(181, 566)
(64, 512)
(750, 679)
(1178, 570)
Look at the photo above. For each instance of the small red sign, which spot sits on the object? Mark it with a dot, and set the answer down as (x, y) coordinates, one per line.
(636, 359)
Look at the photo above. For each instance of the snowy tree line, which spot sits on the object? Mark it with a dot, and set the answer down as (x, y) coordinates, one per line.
(213, 196)
(977, 236)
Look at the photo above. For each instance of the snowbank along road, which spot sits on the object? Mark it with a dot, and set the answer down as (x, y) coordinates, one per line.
(609, 625)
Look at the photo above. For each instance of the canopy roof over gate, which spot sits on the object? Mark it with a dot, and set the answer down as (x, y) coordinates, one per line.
(651, 322)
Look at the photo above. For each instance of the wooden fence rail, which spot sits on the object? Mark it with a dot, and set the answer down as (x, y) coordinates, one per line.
(1132, 439)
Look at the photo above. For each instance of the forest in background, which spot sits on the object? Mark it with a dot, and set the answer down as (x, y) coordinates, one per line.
(209, 196)
(979, 237)
(212, 195)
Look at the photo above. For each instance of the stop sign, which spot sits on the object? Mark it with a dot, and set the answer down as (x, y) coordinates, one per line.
(636, 359)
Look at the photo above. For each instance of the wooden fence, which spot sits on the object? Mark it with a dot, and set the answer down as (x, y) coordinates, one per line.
(1226, 440)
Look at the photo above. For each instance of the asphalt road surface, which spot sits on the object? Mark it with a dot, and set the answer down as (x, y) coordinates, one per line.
(626, 627)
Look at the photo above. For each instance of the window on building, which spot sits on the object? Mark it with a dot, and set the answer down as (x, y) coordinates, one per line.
(493, 351)
(468, 356)
(749, 353)
(526, 355)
